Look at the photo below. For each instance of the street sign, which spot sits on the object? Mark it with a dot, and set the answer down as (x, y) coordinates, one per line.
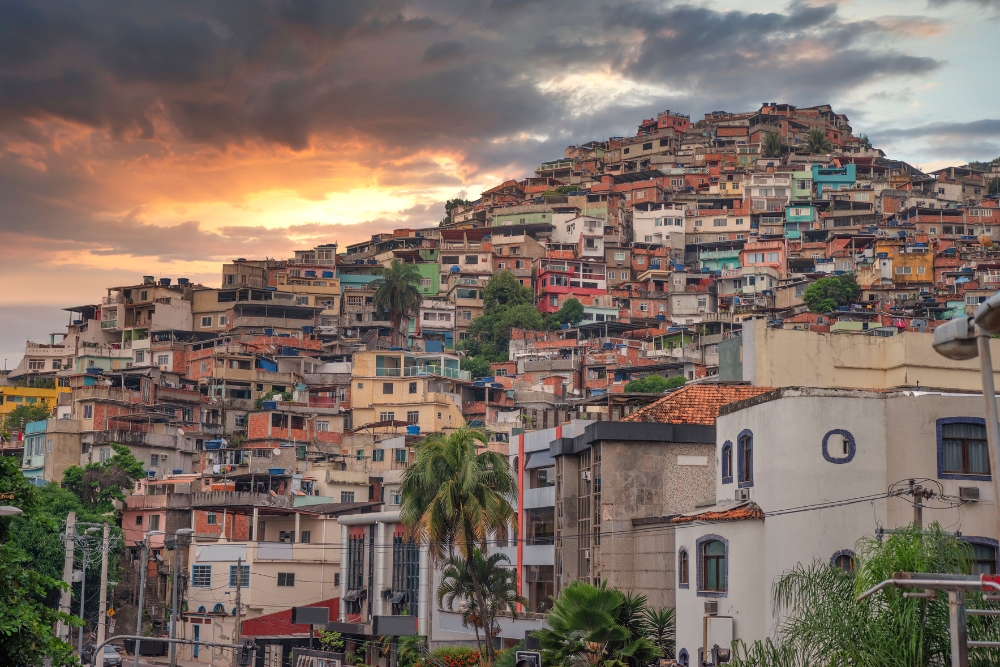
(310, 615)
(111, 625)
(395, 626)
(111, 612)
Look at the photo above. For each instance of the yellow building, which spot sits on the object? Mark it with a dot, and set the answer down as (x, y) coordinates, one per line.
(13, 397)
(905, 263)
(320, 293)
(731, 185)
(399, 386)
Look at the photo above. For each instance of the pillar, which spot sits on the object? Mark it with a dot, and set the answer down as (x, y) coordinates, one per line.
(343, 572)
(253, 524)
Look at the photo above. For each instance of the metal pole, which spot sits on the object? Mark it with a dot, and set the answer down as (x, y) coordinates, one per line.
(83, 599)
(142, 588)
(239, 610)
(992, 424)
(102, 606)
(918, 507)
(173, 608)
(65, 599)
(958, 629)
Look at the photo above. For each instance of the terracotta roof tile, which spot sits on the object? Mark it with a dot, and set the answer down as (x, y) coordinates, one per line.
(745, 512)
(694, 404)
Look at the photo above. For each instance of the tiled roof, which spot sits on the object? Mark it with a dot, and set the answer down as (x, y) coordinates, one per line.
(742, 512)
(694, 404)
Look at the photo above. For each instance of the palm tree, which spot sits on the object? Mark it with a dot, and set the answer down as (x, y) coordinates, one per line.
(817, 142)
(586, 629)
(773, 145)
(396, 292)
(661, 628)
(499, 588)
(455, 495)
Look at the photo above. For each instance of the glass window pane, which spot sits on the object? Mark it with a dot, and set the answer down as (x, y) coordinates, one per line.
(979, 457)
(952, 454)
(975, 431)
(715, 548)
(711, 581)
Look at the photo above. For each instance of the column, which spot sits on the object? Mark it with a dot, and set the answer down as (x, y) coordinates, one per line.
(343, 572)
(253, 525)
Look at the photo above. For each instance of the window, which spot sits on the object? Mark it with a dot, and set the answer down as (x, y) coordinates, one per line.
(467, 315)
(378, 455)
(286, 578)
(400, 455)
(904, 270)
(387, 416)
(154, 460)
(984, 556)
(222, 320)
(727, 463)
(719, 222)
(619, 256)
(206, 321)
(744, 456)
(713, 566)
(322, 425)
(201, 576)
(347, 496)
(36, 364)
(843, 560)
(88, 412)
(360, 455)
(244, 576)
(163, 360)
(305, 536)
(962, 449)
(154, 521)
(921, 269)
(386, 387)
(413, 388)
(426, 282)
(211, 518)
(138, 520)
(361, 385)
(413, 416)
(682, 568)
(140, 356)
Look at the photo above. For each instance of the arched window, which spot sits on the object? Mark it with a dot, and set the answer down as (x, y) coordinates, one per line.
(201, 609)
(727, 463)
(682, 568)
(844, 560)
(682, 657)
(984, 554)
(713, 565)
(744, 459)
(218, 609)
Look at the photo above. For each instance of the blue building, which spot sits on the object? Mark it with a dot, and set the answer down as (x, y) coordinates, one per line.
(798, 218)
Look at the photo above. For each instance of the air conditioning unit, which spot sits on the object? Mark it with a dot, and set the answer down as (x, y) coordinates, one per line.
(742, 494)
(711, 607)
(586, 475)
(968, 494)
(586, 554)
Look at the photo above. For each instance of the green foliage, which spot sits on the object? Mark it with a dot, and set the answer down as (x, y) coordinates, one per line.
(596, 626)
(507, 304)
(651, 384)
(450, 205)
(508, 657)
(827, 294)
(397, 292)
(824, 624)
(772, 145)
(817, 142)
(570, 313)
(455, 494)
(409, 651)
(98, 484)
(994, 185)
(453, 656)
(24, 414)
(259, 403)
(478, 366)
(661, 628)
(503, 290)
(331, 641)
(561, 190)
(499, 585)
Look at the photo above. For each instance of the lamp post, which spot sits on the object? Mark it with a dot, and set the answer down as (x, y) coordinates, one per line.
(83, 588)
(143, 559)
(8, 510)
(178, 559)
(966, 338)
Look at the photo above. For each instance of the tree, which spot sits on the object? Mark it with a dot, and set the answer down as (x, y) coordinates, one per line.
(661, 628)
(455, 496)
(98, 484)
(772, 145)
(499, 582)
(824, 624)
(651, 384)
(827, 294)
(504, 290)
(396, 292)
(817, 142)
(27, 636)
(571, 313)
(331, 641)
(24, 414)
(586, 628)
(450, 205)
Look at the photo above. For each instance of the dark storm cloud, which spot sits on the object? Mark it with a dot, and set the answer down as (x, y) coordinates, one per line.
(975, 140)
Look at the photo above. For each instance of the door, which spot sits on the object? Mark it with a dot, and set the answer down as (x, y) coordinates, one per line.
(197, 638)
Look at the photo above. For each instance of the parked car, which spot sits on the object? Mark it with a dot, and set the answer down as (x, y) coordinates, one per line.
(112, 658)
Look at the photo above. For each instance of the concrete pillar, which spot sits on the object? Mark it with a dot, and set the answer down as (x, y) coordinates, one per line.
(343, 572)
(253, 525)
(424, 611)
(381, 582)
(298, 535)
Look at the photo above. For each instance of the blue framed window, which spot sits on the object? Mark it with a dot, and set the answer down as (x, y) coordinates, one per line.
(682, 657)
(683, 569)
(744, 459)
(962, 452)
(727, 462)
(244, 576)
(844, 559)
(712, 560)
(201, 576)
(984, 554)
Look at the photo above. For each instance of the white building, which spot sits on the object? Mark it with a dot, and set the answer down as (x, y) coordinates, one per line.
(835, 452)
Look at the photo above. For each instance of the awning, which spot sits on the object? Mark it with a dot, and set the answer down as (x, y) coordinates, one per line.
(540, 459)
(397, 597)
(355, 595)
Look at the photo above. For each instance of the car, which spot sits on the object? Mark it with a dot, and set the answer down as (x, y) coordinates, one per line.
(112, 658)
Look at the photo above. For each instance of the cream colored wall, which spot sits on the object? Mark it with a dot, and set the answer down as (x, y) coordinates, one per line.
(790, 358)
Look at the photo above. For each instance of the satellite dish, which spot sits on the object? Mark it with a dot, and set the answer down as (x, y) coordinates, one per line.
(180, 431)
(276, 451)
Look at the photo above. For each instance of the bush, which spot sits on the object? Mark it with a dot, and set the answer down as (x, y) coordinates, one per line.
(508, 657)
(655, 384)
(452, 656)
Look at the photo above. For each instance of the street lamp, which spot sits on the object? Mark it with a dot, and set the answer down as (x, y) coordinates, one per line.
(966, 338)
(178, 557)
(142, 588)
(8, 510)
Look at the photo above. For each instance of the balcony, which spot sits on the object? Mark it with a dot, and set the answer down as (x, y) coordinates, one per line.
(143, 502)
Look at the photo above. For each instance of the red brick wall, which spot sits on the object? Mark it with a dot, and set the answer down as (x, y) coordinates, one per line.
(257, 425)
(237, 525)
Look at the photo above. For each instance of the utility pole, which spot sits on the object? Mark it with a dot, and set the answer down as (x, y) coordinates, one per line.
(918, 507)
(64, 600)
(181, 537)
(239, 608)
(102, 609)
(142, 588)
(83, 597)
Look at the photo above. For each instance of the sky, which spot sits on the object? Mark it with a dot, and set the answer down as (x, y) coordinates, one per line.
(168, 137)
